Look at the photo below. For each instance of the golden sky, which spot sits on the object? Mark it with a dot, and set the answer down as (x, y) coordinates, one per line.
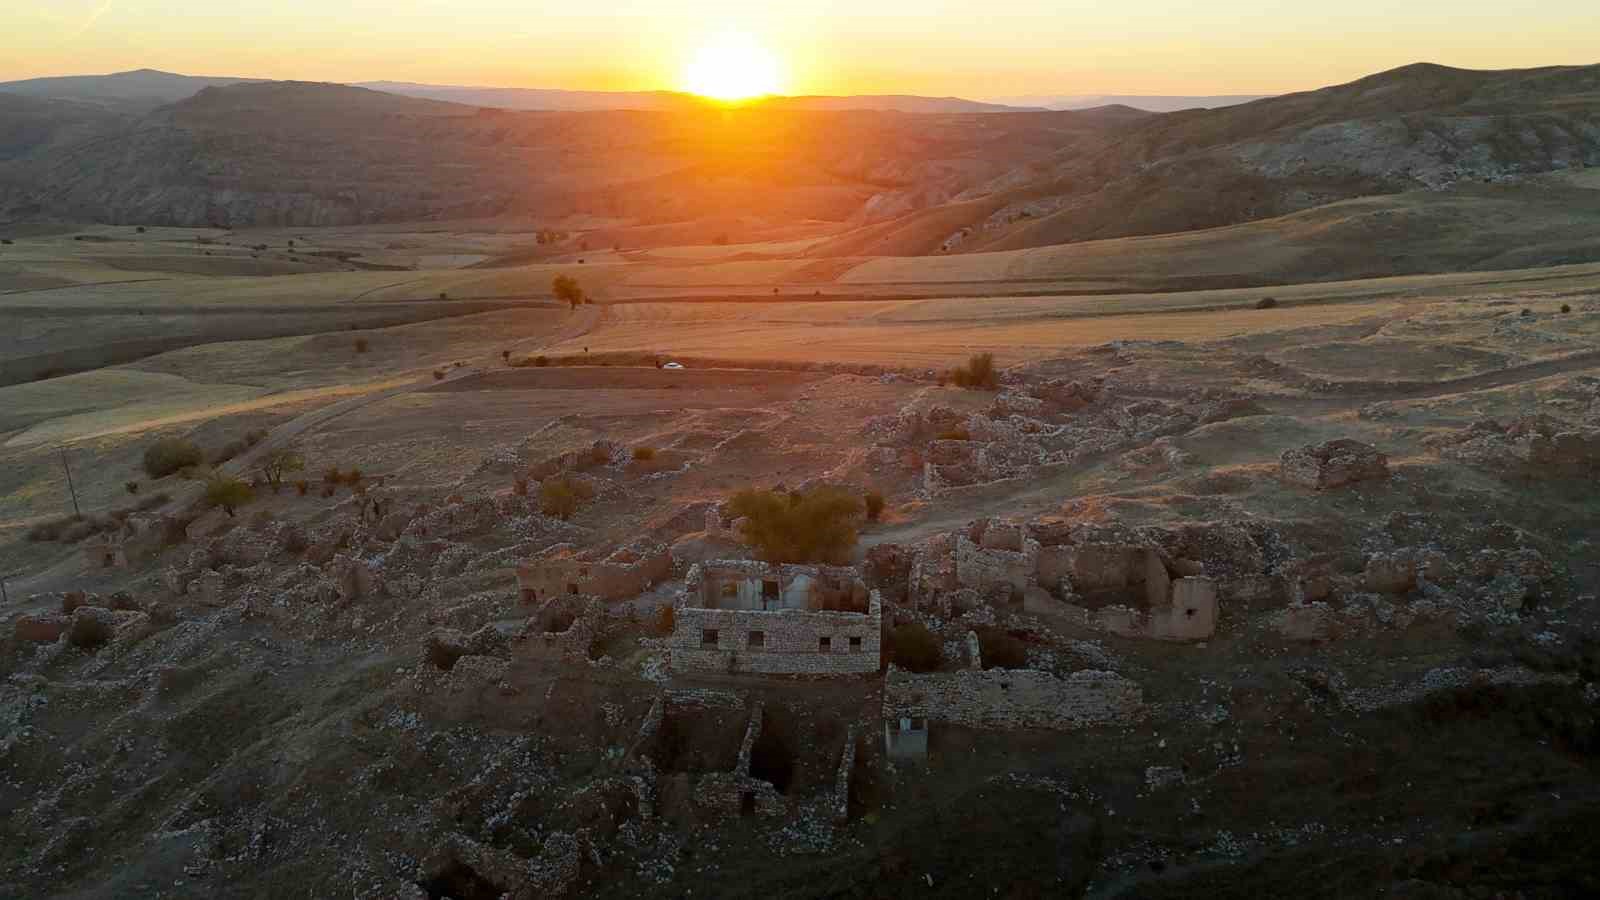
(932, 47)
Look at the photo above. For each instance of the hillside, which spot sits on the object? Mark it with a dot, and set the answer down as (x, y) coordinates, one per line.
(592, 101)
(137, 91)
(290, 153)
(1421, 126)
(879, 183)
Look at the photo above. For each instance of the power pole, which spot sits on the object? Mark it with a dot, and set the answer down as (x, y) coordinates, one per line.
(75, 510)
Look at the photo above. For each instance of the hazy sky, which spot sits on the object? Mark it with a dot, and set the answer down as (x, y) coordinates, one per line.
(977, 48)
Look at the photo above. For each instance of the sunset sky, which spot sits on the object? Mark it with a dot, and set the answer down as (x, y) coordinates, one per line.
(933, 47)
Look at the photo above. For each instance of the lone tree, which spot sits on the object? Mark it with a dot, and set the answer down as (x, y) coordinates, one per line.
(228, 493)
(567, 290)
(278, 463)
(819, 526)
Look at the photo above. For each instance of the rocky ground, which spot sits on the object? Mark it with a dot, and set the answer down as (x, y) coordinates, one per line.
(341, 692)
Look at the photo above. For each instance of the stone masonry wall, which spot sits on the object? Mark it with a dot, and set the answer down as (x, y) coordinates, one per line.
(1013, 698)
(790, 641)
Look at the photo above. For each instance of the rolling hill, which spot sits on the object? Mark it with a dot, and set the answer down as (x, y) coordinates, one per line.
(876, 183)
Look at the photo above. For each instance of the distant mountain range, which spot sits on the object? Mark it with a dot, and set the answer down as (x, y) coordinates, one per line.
(952, 181)
(1146, 102)
(145, 89)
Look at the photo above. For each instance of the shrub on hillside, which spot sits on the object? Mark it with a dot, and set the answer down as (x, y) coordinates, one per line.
(132, 487)
(438, 374)
(169, 455)
(1267, 303)
(361, 345)
(955, 434)
(914, 648)
(1566, 307)
(228, 493)
(561, 497)
(819, 526)
(875, 504)
(978, 374)
(644, 454)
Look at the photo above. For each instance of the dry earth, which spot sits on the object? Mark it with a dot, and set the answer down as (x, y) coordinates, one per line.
(263, 715)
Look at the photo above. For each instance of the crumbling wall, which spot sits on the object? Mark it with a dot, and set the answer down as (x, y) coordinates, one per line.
(785, 642)
(753, 585)
(623, 575)
(1013, 698)
(988, 561)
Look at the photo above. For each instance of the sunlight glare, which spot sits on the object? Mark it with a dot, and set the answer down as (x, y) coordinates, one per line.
(732, 66)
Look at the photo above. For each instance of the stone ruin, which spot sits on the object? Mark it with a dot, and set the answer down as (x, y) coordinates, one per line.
(748, 616)
(1038, 424)
(1537, 445)
(1333, 464)
(1011, 698)
(620, 575)
(1119, 580)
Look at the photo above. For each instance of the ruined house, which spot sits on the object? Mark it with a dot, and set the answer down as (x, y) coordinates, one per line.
(748, 616)
(621, 575)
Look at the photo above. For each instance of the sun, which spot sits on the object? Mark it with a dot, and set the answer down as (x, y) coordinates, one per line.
(732, 66)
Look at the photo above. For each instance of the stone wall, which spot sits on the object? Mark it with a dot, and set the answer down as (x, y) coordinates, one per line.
(1013, 698)
(623, 575)
(787, 642)
(982, 568)
(746, 584)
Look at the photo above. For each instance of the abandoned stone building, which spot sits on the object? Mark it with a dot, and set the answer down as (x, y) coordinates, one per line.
(621, 575)
(748, 616)
(1119, 582)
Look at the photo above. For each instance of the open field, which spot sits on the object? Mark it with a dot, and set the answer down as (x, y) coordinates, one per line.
(1124, 403)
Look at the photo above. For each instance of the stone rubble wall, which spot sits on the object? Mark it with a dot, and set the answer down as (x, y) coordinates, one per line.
(1013, 698)
(790, 645)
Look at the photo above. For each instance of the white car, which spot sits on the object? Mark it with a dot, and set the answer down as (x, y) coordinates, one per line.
(673, 365)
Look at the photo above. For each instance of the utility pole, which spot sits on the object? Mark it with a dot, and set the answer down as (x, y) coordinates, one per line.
(75, 510)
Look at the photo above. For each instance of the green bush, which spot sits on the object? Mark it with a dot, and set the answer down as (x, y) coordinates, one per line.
(228, 493)
(132, 487)
(800, 528)
(1566, 307)
(914, 648)
(978, 374)
(561, 497)
(169, 455)
(875, 504)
